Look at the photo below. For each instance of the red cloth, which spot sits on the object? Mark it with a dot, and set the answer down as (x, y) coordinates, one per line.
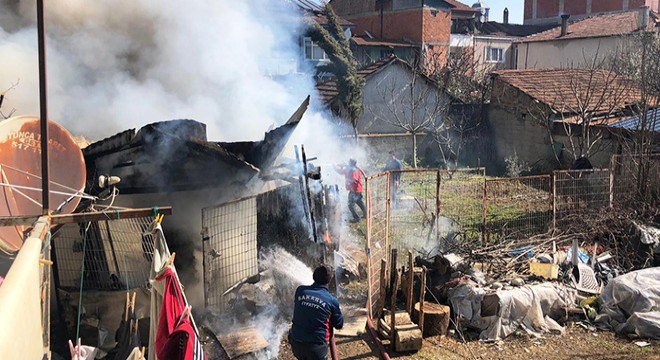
(175, 338)
(353, 179)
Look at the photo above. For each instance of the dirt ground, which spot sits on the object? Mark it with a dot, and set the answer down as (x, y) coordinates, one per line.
(576, 343)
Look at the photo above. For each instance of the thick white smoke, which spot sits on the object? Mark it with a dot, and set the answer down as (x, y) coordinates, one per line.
(114, 65)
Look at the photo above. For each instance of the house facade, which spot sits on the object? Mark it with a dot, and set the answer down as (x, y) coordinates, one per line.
(577, 43)
(400, 107)
(426, 24)
(495, 44)
(549, 117)
(290, 14)
(550, 11)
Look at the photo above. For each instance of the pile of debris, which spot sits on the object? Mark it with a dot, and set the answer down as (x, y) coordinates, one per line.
(601, 276)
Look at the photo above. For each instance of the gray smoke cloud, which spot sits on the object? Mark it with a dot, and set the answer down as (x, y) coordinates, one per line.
(114, 65)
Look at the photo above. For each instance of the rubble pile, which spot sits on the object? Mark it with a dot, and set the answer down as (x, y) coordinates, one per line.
(599, 273)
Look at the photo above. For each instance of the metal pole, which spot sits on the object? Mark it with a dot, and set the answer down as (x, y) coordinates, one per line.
(43, 101)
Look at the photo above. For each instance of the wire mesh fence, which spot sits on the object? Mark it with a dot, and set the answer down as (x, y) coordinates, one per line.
(635, 178)
(461, 204)
(117, 254)
(577, 192)
(413, 210)
(430, 205)
(230, 248)
(377, 236)
(516, 208)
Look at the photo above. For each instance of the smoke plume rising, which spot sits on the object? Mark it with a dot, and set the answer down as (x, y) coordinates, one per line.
(114, 65)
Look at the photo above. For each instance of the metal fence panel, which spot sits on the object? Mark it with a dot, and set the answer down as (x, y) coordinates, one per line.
(230, 248)
(579, 192)
(118, 254)
(461, 203)
(414, 210)
(377, 238)
(516, 208)
(635, 176)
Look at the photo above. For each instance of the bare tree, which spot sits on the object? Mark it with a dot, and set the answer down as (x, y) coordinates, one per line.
(639, 59)
(412, 102)
(581, 104)
(468, 84)
(2, 98)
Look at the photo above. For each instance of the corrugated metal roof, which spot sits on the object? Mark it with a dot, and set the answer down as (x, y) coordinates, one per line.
(634, 122)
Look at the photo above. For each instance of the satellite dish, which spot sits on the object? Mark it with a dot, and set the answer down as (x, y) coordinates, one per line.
(20, 173)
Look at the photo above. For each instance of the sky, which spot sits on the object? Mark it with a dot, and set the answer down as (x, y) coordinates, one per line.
(515, 7)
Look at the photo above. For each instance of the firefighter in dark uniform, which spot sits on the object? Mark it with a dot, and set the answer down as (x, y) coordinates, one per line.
(315, 312)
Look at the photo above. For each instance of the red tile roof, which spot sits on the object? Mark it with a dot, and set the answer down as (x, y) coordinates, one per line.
(597, 26)
(328, 90)
(568, 90)
(459, 6)
(321, 19)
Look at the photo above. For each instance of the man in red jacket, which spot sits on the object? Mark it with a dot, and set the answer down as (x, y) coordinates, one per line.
(353, 179)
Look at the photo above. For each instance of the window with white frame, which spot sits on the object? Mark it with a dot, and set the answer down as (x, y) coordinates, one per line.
(494, 54)
(313, 51)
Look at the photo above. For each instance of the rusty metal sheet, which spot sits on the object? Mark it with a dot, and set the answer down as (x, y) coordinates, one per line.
(20, 172)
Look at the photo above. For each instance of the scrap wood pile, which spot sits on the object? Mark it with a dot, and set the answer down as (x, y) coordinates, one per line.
(624, 241)
(599, 271)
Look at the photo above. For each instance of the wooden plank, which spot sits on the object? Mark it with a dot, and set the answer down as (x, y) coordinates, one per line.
(242, 341)
(383, 287)
(393, 304)
(422, 293)
(89, 216)
(411, 282)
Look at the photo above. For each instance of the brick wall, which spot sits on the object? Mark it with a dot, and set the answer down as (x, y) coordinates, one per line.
(529, 9)
(575, 7)
(547, 11)
(547, 8)
(397, 25)
(607, 5)
(345, 8)
(436, 26)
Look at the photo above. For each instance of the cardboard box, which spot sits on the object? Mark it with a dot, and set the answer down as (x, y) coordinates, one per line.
(546, 271)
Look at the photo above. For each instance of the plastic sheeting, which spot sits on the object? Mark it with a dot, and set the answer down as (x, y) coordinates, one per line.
(530, 307)
(21, 328)
(630, 304)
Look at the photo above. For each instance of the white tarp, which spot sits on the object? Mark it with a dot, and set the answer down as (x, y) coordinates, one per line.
(21, 328)
(630, 303)
(529, 307)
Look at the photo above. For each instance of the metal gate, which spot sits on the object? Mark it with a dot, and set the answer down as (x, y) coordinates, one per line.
(229, 247)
